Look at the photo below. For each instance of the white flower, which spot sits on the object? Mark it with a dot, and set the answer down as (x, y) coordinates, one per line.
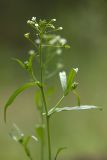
(59, 51)
(63, 41)
(33, 18)
(30, 22)
(54, 40)
(26, 62)
(37, 41)
(75, 69)
(53, 20)
(63, 79)
(36, 25)
(60, 28)
(59, 66)
(52, 26)
(31, 52)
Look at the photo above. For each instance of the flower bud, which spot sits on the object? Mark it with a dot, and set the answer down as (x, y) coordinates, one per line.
(27, 35)
(74, 85)
(36, 25)
(53, 20)
(31, 52)
(60, 28)
(30, 22)
(34, 19)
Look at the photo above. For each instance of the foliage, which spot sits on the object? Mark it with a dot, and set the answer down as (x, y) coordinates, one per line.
(47, 45)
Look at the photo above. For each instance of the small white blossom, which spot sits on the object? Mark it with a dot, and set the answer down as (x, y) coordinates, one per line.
(37, 41)
(60, 66)
(60, 28)
(52, 26)
(75, 69)
(63, 41)
(36, 25)
(53, 20)
(30, 22)
(26, 62)
(33, 18)
(31, 52)
(63, 79)
(59, 51)
(54, 40)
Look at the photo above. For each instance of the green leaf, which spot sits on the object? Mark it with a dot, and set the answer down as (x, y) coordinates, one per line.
(27, 139)
(70, 79)
(16, 134)
(76, 108)
(19, 62)
(58, 151)
(63, 80)
(25, 146)
(38, 100)
(16, 93)
(40, 132)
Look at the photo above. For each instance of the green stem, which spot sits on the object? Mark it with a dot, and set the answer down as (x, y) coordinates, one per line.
(47, 122)
(53, 109)
(42, 141)
(59, 102)
(44, 99)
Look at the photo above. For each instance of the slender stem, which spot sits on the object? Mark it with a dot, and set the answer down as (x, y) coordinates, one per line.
(42, 141)
(47, 122)
(59, 101)
(57, 104)
(44, 99)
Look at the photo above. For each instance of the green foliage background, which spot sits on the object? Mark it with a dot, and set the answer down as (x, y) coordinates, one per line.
(85, 27)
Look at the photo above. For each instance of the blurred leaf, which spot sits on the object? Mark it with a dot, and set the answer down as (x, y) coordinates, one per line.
(19, 62)
(16, 134)
(76, 108)
(63, 79)
(38, 100)
(25, 146)
(26, 140)
(70, 79)
(58, 151)
(40, 132)
(16, 93)
(50, 91)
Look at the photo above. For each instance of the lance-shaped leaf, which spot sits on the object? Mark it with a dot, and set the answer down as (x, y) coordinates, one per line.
(70, 79)
(76, 108)
(63, 79)
(25, 143)
(58, 151)
(17, 135)
(19, 62)
(16, 93)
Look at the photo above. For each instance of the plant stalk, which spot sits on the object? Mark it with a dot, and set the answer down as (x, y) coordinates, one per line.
(44, 99)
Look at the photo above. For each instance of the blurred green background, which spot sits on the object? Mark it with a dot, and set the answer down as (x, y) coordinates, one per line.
(85, 27)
